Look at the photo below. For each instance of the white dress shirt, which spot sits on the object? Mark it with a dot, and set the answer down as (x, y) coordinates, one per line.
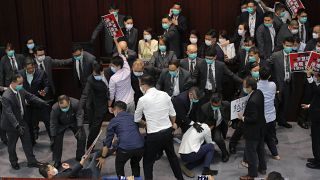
(176, 89)
(208, 84)
(273, 35)
(192, 140)
(78, 63)
(269, 90)
(41, 63)
(13, 60)
(252, 23)
(19, 100)
(157, 107)
(286, 74)
(302, 32)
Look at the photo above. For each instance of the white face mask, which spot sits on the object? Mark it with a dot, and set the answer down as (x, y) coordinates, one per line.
(41, 58)
(138, 74)
(318, 49)
(193, 40)
(244, 10)
(294, 31)
(208, 42)
(221, 41)
(241, 32)
(147, 37)
(315, 35)
(129, 26)
(143, 91)
(55, 172)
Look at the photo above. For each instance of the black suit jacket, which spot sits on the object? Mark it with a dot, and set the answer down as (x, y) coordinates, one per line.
(283, 33)
(241, 58)
(38, 83)
(184, 63)
(88, 61)
(173, 41)
(254, 120)
(311, 45)
(11, 112)
(182, 27)
(206, 114)
(244, 18)
(276, 62)
(164, 82)
(160, 62)
(204, 48)
(131, 39)
(314, 110)
(76, 172)
(277, 23)
(136, 84)
(6, 71)
(199, 76)
(264, 41)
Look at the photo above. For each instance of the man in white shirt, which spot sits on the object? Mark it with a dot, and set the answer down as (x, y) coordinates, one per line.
(193, 150)
(160, 117)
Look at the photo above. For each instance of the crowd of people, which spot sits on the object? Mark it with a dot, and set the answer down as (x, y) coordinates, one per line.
(161, 84)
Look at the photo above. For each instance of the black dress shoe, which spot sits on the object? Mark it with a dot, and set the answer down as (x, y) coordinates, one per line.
(15, 166)
(36, 164)
(313, 165)
(232, 150)
(286, 125)
(311, 160)
(303, 125)
(57, 165)
(225, 157)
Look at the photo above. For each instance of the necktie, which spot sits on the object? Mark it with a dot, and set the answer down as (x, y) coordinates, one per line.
(80, 70)
(172, 85)
(287, 64)
(191, 66)
(41, 66)
(13, 63)
(302, 33)
(190, 108)
(211, 78)
(20, 103)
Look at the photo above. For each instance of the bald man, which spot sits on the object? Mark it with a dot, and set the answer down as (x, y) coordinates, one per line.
(312, 43)
(190, 62)
(138, 70)
(131, 55)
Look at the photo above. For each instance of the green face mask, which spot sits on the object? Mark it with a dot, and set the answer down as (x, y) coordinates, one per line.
(214, 108)
(65, 109)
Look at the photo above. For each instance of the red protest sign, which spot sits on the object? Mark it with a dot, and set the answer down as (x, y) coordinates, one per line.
(314, 61)
(298, 61)
(294, 5)
(112, 25)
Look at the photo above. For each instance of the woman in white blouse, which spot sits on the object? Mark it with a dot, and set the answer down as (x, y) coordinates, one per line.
(147, 46)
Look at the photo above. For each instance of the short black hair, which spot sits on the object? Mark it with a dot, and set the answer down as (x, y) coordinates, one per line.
(252, 1)
(147, 80)
(77, 47)
(274, 176)
(268, 14)
(279, 7)
(127, 18)
(213, 33)
(121, 105)
(166, 16)
(39, 48)
(211, 52)
(255, 50)
(28, 61)
(117, 61)
(63, 97)
(196, 91)
(248, 39)
(250, 82)
(215, 98)
(177, 3)
(43, 170)
(253, 65)
(264, 73)
(296, 39)
(97, 67)
(15, 77)
(288, 39)
(113, 6)
(174, 62)
(301, 10)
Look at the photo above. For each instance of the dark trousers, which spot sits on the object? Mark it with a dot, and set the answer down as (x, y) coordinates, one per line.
(217, 137)
(58, 144)
(94, 128)
(155, 144)
(284, 104)
(13, 137)
(315, 137)
(270, 138)
(237, 134)
(204, 155)
(33, 116)
(3, 135)
(254, 151)
(123, 156)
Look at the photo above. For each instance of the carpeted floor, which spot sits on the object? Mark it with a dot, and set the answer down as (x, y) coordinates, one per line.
(294, 148)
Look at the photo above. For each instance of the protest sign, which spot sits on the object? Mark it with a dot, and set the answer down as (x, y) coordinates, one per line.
(112, 25)
(238, 106)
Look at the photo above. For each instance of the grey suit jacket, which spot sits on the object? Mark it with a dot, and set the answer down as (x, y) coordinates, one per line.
(11, 113)
(108, 39)
(131, 39)
(276, 62)
(172, 38)
(88, 60)
(277, 23)
(160, 62)
(283, 33)
(264, 41)
(184, 63)
(6, 71)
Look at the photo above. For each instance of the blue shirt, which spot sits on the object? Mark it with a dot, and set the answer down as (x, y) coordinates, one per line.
(127, 131)
(269, 90)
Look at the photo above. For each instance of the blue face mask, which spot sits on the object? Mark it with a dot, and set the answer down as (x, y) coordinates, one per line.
(245, 91)
(19, 87)
(10, 53)
(252, 59)
(255, 74)
(282, 14)
(165, 26)
(162, 48)
(303, 20)
(173, 73)
(115, 13)
(209, 61)
(192, 56)
(30, 46)
(77, 58)
(195, 100)
(98, 78)
(113, 69)
(287, 50)
(268, 25)
(175, 12)
(214, 108)
(250, 10)
(246, 48)
(65, 109)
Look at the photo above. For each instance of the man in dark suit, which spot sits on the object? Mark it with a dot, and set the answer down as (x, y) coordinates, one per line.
(109, 45)
(186, 106)
(286, 30)
(171, 36)
(253, 130)
(46, 63)
(130, 54)
(179, 20)
(174, 80)
(278, 14)
(304, 27)
(14, 122)
(130, 33)
(281, 74)
(191, 61)
(82, 66)
(208, 75)
(94, 99)
(252, 17)
(312, 43)
(218, 111)
(265, 36)
(36, 83)
(66, 114)
(243, 56)
(210, 42)
(10, 64)
(162, 57)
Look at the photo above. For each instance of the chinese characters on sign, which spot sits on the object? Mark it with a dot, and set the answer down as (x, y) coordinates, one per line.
(294, 5)
(112, 25)
(298, 61)
(238, 106)
(314, 61)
